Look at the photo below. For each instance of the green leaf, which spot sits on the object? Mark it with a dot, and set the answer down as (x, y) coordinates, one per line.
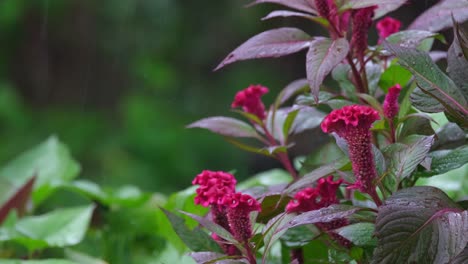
(290, 90)
(403, 159)
(266, 179)
(432, 81)
(420, 224)
(210, 225)
(412, 38)
(60, 228)
(361, 234)
(445, 160)
(226, 126)
(18, 200)
(195, 239)
(288, 122)
(271, 205)
(395, 74)
(323, 55)
(449, 136)
(299, 236)
(453, 182)
(50, 161)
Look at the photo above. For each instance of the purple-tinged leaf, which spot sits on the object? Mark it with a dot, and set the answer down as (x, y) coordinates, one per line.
(301, 5)
(287, 13)
(438, 17)
(403, 159)
(272, 232)
(272, 205)
(269, 44)
(324, 54)
(196, 239)
(262, 151)
(383, 6)
(18, 200)
(290, 90)
(226, 126)
(457, 64)
(322, 215)
(309, 178)
(462, 258)
(210, 225)
(420, 224)
(443, 161)
(432, 81)
(211, 257)
(437, 55)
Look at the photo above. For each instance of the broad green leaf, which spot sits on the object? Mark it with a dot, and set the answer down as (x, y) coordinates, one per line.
(373, 73)
(361, 234)
(272, 231)
(226, 126)
(82, 258)
(403, 159)
(341, 74)
(454, 182)
(301, 5)
(412, 38)
(59, 228)
(266, 179)
(439, 16)
(419, 124)
(196, 239)
(432, 81)
(50, 161)
(272, 205)
(445, 160)
(299, 236)
(420, 224)
(395, 74)
(269, 44)
(323, 55)
(288, 122)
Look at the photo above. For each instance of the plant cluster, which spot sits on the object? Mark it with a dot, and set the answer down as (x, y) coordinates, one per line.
(396, 119)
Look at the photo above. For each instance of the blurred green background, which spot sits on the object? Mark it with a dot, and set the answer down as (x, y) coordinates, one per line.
(117, 81)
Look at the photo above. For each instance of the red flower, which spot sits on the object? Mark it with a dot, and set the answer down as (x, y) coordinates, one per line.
(390, 104)
(239, 206)
(353, 124)
(308, 199)
(362, 21)
(250, 100)
(214, 185)
(388, 26)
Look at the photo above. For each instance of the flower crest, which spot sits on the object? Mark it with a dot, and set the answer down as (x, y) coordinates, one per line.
(348, 118)
(214, 185)
(250, 100)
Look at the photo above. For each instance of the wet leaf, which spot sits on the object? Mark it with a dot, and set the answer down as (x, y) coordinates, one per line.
(226, 126)
(383, 6)
(439, 16)
(420, 224)
(302, 5)
(445, 160)
(323, 55)
(269, 44)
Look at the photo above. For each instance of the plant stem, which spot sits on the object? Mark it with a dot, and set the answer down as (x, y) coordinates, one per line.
(283, 156)
(250, 256)
(297, 255)
(373, 194)
(356, 75)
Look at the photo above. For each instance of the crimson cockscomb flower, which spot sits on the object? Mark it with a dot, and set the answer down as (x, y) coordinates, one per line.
(214, 185)
(323, 195)
(239, 206)
(250, 100)
(361, 22)
(353, 123)
(387, 27)
(390, 104)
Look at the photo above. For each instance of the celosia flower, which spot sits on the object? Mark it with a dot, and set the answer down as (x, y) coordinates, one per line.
(353, 124)
(308, 199)
(239, 206)
(323, 195)
(390, 104)
(250, 100)
(362, 21)
(213, 186)
(387, 27)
